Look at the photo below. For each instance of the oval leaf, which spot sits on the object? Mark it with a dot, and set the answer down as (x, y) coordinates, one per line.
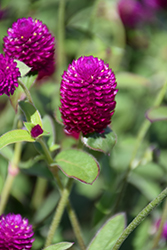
(14, 136)
(78, 165)
(31, 113)
(103, 142)
(109, 233)
(23, 68)
(157, 114)
(59, 246)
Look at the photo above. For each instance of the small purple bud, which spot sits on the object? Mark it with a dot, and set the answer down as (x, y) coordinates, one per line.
(36, 131)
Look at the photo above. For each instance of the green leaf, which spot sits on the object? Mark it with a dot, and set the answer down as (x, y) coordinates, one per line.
(59, 246)
(107, 236)
(78, 165)
(157, 114)
(19, 92)
(48, 125)
(23, 68)
(14, 136)
(31, 113)
(103, 142)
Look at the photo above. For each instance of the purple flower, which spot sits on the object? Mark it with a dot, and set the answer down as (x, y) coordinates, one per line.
(162, 3)
(36, 131)
(88, 90)
(164, 230)
(31, 42)
(9, 74)
(15, 232)
(131, 12)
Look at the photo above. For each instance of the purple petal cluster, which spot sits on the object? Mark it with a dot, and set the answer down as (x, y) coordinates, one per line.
(88, 90)
(15, 232)
(31, 42)
(36, 131)
(9, 74)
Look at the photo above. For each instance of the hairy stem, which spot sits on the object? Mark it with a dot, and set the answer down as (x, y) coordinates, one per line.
(59, 212)
(140, 217)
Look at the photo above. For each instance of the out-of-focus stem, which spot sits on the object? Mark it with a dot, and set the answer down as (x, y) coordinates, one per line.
(13, 171)
(60, 38)
(39, 192)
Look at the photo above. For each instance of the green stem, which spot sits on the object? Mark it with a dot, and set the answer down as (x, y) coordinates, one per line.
(46, 151)
(141, 134)
(72, 215)
(76, 226)
(26, 91)
(140, 217)
(160, 229)
(60, 39)
(59, 212)
(13, 171)
(39, 192)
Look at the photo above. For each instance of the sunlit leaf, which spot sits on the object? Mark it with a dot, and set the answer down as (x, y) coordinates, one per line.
(31, 113)
(14, 136)
(48, 125)
(23, 68)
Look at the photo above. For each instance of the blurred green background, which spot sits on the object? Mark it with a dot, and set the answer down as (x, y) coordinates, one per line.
(138, 58)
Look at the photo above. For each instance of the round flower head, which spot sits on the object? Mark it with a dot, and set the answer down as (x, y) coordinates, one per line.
(30, 42)
(131, 12)
(15, 233)
(87, 96)
(9, 74)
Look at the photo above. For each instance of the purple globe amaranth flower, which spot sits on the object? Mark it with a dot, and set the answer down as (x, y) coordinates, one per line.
(36, 131)
(31, 42)
(131, 12)
(15, 232)
(88, 90)
(9, 74)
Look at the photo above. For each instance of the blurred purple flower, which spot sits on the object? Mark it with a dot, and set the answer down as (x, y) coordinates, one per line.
(9, 74)
(36, 131)
(162, 3)
(134, 13)
(131, 12)
(31, 42)
(88, 90)
(15, 232)
(164, 231)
